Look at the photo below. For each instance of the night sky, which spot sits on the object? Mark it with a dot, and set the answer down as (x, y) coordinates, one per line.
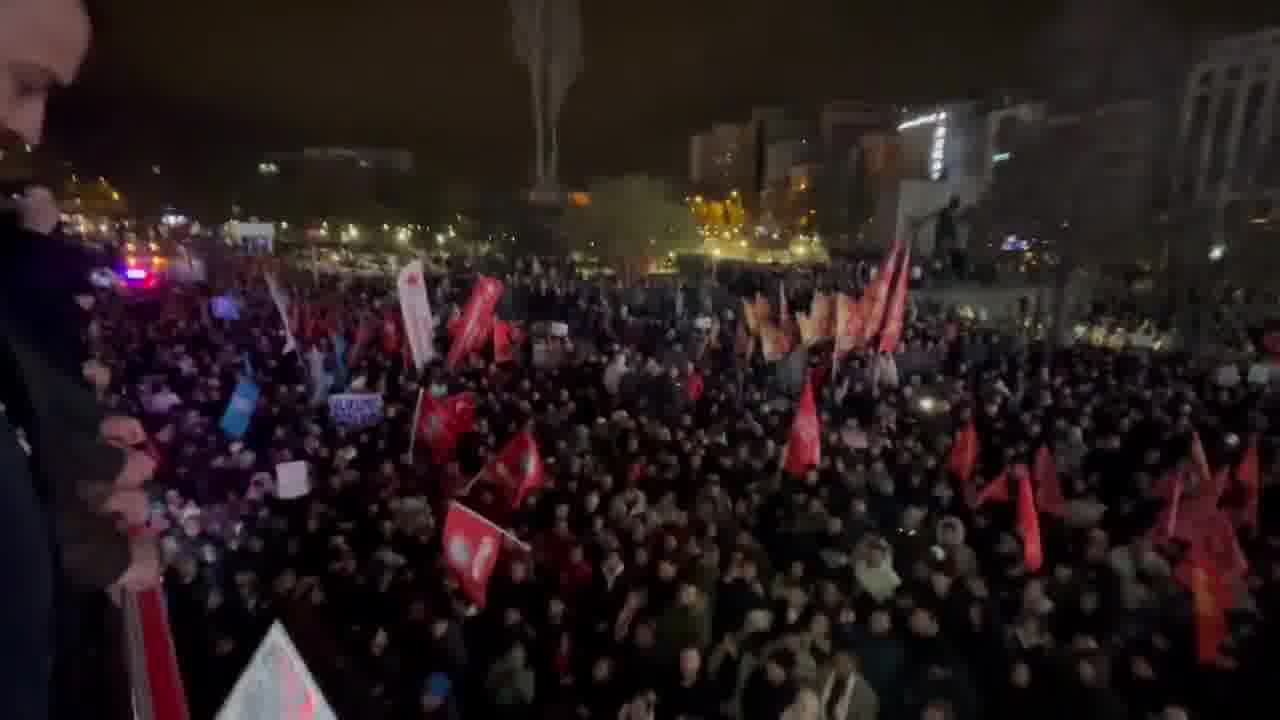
(203, 87)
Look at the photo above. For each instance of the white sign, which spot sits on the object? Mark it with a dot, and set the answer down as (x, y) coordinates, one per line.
(255, 238)
(1259, 374)
(356, 411)
(293, 480)
(276, 684)
(419, 323)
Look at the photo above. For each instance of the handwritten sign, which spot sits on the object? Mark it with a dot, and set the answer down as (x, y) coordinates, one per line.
(356, 411)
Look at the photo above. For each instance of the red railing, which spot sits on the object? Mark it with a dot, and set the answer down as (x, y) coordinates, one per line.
(156, 682)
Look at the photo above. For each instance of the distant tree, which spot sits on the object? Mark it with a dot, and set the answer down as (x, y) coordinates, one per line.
(630, 218)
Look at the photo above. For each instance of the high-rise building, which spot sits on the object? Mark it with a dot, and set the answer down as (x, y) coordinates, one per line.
(1007, 128)
(943, 141)
(1229, 140)
(847, 198)
(722, 159)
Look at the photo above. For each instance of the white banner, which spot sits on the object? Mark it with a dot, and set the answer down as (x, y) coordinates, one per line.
(277, 684)
(282, 307)
(419, 324)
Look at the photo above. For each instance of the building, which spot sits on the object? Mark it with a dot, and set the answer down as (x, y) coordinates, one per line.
(1127, 139)
(357, 183)
(943, 141)
(939, 153)
(847, 195)
(1228, 146)
(1007, 128)
(722, 159)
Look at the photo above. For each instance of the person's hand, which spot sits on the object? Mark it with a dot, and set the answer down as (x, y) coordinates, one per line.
(119, 430)
(138, 469)
(97, 374)
(130, 506)
(38, 210)
(143, 572)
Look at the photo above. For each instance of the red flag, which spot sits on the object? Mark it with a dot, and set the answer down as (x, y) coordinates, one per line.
(877, 294)
(153, 654)
(390, 334)
(1271, 342)
(1248, 475)
(518, 335)
(694, 386)
(364, 333)
(804, 449)
(1208, 601)
(1223, 544)
(995, 491)
(518, 469)
(1208, 528)
(891, 332)
(471, 548)
(1049, 486)
(964, 453)
(476, 319)
(850, 320)
(442, 423)
(1029, 522)
(1204, 478)
(818, 375)
(502, 345)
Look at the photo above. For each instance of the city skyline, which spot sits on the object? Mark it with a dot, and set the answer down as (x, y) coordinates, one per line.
(208, 88)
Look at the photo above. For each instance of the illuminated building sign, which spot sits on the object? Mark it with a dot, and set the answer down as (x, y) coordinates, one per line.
(931, 118)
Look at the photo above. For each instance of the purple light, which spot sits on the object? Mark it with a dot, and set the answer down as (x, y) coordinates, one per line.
(136, 274)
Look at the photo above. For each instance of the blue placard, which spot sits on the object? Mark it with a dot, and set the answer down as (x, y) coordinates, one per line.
(356, 411)
(244, 401)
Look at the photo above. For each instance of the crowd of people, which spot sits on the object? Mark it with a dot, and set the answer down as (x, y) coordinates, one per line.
(669, 567)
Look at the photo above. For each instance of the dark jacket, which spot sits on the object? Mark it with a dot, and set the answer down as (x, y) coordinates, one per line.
(44, 393)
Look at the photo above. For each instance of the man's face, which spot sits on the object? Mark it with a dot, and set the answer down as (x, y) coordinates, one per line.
(42, 43)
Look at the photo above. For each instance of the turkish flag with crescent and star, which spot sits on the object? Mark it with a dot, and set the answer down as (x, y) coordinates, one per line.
(442, 422)
(804, 449)
(472, 545)
(475, 326)
(518, 469)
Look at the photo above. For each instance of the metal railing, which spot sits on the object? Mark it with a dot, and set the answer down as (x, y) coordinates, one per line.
(155, 680)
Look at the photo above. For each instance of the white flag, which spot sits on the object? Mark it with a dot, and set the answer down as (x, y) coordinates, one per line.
(276, 684)
(282, 307)
(419, 324)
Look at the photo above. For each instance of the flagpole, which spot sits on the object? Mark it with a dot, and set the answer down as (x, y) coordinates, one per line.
(417, 416)
(505, 532)
(471, 483)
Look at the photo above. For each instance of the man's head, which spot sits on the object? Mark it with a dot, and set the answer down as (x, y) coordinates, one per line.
(42, 43)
